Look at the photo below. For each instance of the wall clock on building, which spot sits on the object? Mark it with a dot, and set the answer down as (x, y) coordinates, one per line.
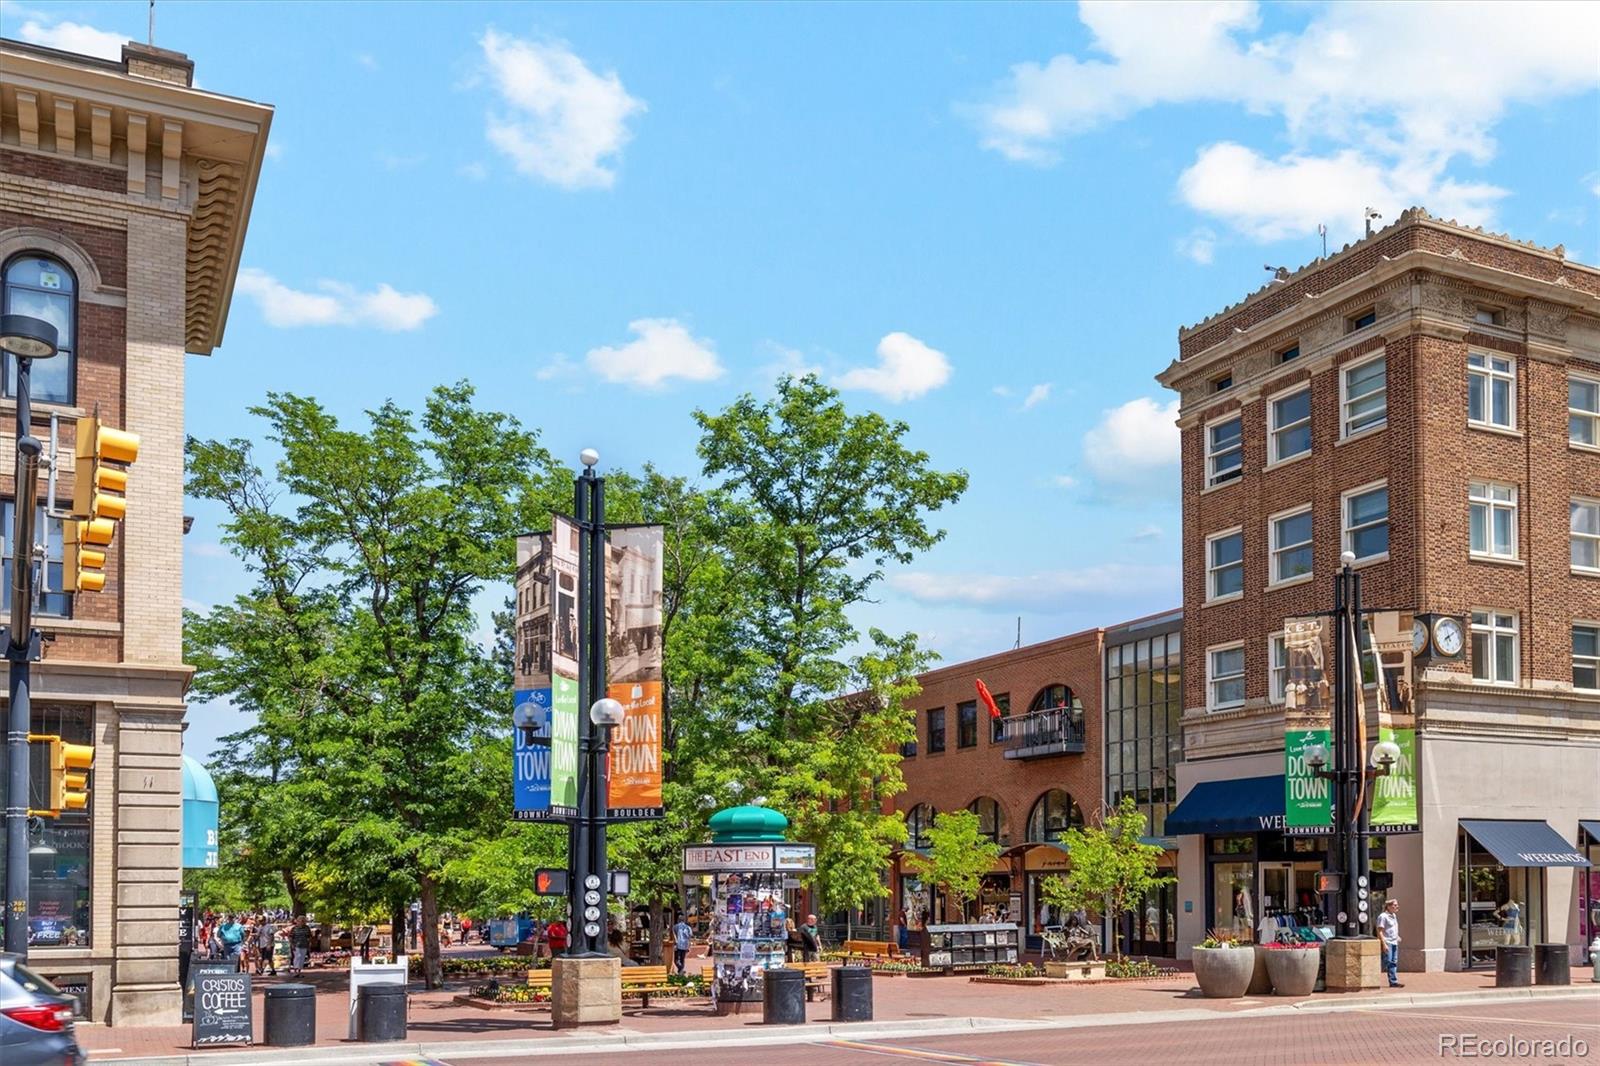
(1419, 638)
(1448, 638)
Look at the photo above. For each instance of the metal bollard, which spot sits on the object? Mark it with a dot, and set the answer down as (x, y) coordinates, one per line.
(381, 1013)
(1552, 964)
(291, 1015)
(852, 994)
(783, 992)
(1513, 966)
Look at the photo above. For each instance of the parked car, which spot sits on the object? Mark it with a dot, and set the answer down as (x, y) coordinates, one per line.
(36, 1020)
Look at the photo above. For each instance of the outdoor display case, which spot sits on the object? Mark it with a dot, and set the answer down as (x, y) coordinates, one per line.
(955, 946)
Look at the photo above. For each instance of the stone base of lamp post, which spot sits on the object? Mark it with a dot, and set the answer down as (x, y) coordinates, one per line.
(1354, 964)
(585, 992)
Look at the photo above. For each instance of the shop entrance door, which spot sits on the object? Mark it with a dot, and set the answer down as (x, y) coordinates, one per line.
(1276, 893)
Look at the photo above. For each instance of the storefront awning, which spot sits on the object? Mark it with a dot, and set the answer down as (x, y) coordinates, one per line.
(1592, 828)
(1523, 843)
(1243, 805)
(199, 816)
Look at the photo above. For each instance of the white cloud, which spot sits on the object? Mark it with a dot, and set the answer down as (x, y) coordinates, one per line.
(785, 362)
(662, 350)
(907, 369)
(1146, 532)
(1003, 391)
(1036, 396)
(1064, 481)
(1133, 443)
(560, 122)
(1046, 590)
(71, 37)
(274, 150)
(1200, 245)
(335, 304)
(1450, 72)
(560, 366)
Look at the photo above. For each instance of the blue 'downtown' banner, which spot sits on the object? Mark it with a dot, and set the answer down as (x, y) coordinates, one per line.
(531, 755)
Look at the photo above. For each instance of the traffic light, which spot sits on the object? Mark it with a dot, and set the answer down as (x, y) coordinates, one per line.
(69, 774)
(99, 502)
(547, 882)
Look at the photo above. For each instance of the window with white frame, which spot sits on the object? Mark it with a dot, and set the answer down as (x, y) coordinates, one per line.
(1225, 564)
(1494, 647)
(1586, 655)
(1586, 535)
(1290, 544)
(1224, 451)
(1493, 519)
(1289, 431)
(1366, 521)
(1583, 411)
(1491, 390)
(1366, 395)
(1277, 667)
(1225, 676)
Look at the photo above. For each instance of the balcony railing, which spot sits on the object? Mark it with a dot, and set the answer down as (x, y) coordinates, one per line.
(1053, 731)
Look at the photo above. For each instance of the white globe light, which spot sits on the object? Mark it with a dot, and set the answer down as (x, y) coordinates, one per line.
(1316, 756)
(1385, 753)
(607, 712)
(1347, 558)
(588, 457)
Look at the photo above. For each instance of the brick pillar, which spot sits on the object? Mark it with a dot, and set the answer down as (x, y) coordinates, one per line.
(149, 867)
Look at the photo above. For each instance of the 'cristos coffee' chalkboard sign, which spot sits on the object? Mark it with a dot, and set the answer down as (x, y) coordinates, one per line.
(221, 1009)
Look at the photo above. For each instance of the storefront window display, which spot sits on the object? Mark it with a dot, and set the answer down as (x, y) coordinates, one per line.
(1262, 887)
(1499, 904)
(59, 849)
(1589, 884)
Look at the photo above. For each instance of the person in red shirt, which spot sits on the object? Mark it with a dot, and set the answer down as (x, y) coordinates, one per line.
(556, 934)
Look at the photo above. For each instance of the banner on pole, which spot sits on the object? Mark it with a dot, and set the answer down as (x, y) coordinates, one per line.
(1307, 715)
(1389, 650)
(633, 658)
(530, 714)
(564, 646)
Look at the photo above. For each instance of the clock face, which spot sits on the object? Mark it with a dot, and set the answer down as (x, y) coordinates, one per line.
(1419, 637)
(1447, 636)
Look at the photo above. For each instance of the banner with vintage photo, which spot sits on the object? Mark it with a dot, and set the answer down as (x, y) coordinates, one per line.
(564, 645)
(1307, 716)
(530, 715)
(1388, 651)
(633, 661)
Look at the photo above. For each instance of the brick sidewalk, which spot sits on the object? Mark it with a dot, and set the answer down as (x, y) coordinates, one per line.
(435, 1018)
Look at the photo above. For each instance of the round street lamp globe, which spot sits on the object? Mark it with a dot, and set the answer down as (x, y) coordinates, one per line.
(588, 457)
(1316, 756)
(27, 337)
(606, 712)
(1385, 753)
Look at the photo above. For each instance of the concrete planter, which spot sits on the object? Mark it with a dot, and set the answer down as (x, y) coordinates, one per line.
(1260, 980)
(1224, 973)
(1293, 970)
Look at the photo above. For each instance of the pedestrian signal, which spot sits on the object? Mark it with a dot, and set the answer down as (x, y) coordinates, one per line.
(550, 882)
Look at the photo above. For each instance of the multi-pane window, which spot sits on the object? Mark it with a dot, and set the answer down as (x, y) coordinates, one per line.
(1583, 411)
(1225, 676)
(1366, 522)
(1291, 352)
(1224, 451)
(967, 724)
(1289, 433)
(936, 730)
(55, 602)
(1225, 564)
(1142, 711)
(1052, 815)
(1586, 656)
(1491, 390)
(41, 287)
(1366, 396)
(991, 823)
(1291, 544)
(1494, 647)
(997, 726)
(1493, 519)
(1586, 535)
(1363, 320)
(919, 820)
(61, 850)
(1277, 667)
(908, 749)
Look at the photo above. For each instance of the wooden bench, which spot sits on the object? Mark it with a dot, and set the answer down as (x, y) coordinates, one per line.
(641, 981)
(816, 977)
(870, 949)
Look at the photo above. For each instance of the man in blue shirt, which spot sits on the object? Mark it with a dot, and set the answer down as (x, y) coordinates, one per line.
(230, 934)
(680, 942)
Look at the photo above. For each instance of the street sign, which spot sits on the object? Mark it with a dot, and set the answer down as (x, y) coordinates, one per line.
(221, 1009)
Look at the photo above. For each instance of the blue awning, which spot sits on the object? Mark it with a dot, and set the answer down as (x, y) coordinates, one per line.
(1592, 828)
(200, 810)
(1523, 843)
(1243, 805)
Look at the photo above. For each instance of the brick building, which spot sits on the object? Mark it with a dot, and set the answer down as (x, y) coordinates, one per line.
(1429, 400)
(124, 197)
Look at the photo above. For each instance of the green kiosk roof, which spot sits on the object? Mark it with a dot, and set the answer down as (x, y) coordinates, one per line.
(748, 823)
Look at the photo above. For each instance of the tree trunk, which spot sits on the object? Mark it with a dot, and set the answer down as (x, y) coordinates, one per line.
(657, 930)
(291, 885)
(432, 972)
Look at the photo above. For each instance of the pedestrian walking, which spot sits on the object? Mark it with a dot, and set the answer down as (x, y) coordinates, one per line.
(299, 945)
(556, 934)
(230, 934)
(1389, 934)
(680, 943)
(810, 940)
(266, 938)
(793, 945)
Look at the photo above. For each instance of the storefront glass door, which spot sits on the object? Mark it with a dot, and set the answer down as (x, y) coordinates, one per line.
(1499, 904)
(1233, 893)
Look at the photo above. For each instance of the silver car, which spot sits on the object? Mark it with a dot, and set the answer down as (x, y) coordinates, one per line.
(36, 1020)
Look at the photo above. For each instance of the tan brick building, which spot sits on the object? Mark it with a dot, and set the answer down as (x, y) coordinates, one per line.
(1428, 399)
(124, 198)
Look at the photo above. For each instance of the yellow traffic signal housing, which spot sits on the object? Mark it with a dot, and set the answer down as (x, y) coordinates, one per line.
(69, 774)
(99, 490)
(84, 557)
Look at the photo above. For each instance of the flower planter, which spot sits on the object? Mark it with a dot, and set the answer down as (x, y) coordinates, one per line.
(1224, 973)
(1260, 980)
(1293, 970)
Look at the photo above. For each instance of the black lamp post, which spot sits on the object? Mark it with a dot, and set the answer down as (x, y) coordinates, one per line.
(25, 339)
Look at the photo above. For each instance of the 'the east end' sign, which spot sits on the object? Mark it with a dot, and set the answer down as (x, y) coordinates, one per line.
(789, 858)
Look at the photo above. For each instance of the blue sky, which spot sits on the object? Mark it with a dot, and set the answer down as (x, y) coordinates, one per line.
(987, 220)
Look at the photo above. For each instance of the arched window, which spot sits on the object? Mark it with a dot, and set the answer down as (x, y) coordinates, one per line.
(990, 821)
(919, 820)
(42, 287)
(1052, 816)
(1055, 697)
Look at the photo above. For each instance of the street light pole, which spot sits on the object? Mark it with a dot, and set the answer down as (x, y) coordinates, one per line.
(588, 887)
(24, 339)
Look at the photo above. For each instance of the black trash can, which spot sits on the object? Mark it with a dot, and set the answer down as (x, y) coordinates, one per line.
(783, 992)
(381, 1013)
(1513, 966)
(852, 994)
(291, 1015)
(1552, 964)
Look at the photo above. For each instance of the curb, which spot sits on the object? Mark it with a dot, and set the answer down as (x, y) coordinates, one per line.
(620, 1040)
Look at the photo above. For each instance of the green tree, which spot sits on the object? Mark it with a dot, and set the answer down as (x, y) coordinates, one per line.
(356, 646)
(959, 854)
(1112, 868)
